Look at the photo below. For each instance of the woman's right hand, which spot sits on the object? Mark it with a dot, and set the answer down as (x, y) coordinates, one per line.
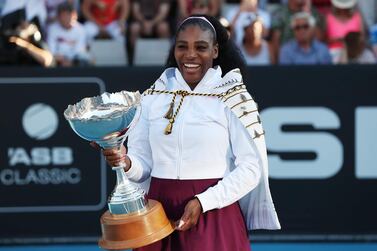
(114, 156)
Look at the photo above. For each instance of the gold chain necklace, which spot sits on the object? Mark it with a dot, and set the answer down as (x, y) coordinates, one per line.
(171, 115)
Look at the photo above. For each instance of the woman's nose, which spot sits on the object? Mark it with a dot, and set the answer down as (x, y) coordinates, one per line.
(191, 53)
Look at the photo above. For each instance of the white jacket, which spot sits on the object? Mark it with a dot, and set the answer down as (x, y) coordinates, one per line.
(207, 141)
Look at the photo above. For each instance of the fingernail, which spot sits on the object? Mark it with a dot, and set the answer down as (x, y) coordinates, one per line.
(181, 223)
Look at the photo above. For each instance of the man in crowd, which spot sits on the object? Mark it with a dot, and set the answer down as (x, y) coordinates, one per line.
(150, 19)
(106, 18)
(66, 38)
(281, 29)
(304, 48)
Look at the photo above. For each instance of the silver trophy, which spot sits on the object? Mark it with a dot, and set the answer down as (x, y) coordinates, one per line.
(107, 119)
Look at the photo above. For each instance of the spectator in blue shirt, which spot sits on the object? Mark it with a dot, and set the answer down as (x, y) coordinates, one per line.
(304, 48)
(373, 38)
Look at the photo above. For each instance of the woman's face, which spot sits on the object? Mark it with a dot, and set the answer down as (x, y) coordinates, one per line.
(194, 52)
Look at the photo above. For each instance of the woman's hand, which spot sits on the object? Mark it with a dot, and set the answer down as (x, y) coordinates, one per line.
(115, 157)
(191, 215)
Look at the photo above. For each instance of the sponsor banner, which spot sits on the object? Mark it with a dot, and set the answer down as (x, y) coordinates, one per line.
(44, 166)
(321, 135)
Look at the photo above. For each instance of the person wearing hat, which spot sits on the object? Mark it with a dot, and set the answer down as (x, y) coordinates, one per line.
(343, 18)
(254, 47)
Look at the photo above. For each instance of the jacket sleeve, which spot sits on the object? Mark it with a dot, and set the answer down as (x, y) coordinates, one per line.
(139, 149)
(244, 177)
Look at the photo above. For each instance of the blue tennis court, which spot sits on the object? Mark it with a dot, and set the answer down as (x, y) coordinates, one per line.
(255, 247)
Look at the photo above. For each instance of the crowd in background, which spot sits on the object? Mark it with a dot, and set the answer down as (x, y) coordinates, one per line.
(61, 32)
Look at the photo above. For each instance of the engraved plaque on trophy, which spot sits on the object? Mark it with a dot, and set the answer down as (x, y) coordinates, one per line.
(132, 221)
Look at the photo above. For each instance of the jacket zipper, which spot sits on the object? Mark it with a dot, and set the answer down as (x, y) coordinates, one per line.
(180, 133)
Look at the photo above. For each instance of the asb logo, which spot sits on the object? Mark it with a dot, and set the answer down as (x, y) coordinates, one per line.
(40, 121)
(44, 165)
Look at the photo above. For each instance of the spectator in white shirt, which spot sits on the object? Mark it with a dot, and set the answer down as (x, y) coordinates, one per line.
(66, 38)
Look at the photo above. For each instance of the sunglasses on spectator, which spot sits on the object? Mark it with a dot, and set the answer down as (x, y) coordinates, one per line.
(299, 27)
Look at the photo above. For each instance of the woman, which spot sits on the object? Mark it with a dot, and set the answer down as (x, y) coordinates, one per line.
(200, 156)
(247, 10)
(356, 50)
(342, 20)
(254, 48)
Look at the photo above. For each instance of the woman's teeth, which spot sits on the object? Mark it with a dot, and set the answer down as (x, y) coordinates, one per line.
(191, 65)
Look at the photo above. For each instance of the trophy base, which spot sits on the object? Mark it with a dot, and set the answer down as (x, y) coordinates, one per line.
(135, 230)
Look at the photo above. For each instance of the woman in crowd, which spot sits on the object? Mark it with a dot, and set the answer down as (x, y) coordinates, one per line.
(343, 19)
(254, 48)
(356, 51)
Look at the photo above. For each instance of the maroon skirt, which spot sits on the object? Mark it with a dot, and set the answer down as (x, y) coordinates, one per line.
(217, 230)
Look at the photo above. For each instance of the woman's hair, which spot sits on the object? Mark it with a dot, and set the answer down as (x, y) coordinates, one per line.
(303, 15)
(229, 56)
(354, 44)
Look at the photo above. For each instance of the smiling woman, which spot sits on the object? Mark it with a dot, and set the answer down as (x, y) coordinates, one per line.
(194, 52)
(200, 140)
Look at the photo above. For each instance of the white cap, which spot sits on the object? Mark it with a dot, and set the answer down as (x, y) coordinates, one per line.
(344, 4)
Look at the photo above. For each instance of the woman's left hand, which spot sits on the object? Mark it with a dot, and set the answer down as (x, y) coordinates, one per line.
(191, 215)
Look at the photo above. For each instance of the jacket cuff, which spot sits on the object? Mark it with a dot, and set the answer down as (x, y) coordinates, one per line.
(134, 171)
(208, 200)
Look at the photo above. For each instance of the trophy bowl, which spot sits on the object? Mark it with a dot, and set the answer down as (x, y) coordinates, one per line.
(132, 221)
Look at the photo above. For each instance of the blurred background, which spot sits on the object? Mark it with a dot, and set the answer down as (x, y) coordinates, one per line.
(311, 66)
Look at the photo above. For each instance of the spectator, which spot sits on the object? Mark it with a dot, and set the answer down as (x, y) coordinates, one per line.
(248, 9)
(254, 48)
(304, 48)
(356, 51)
(105, 18)
(281, 19)
(35, 10)
(323, 6)
(150, 19)
(215, 8)
(373, 38)
(263, 3)
(21, 41)
(200, 7)
(67, 39)
(52, 7)
(342, 20)
(368, 10)
(190, 7)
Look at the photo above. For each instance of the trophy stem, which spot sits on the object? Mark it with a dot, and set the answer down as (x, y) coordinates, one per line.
(126, 196)
(121, 176)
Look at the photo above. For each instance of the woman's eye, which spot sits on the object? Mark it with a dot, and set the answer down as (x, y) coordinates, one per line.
(201, 48)
(181, 46)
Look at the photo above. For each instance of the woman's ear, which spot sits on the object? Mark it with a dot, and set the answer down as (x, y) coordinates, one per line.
(215, 51)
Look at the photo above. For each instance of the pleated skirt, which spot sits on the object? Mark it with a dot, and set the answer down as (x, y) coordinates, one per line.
(217, 230)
